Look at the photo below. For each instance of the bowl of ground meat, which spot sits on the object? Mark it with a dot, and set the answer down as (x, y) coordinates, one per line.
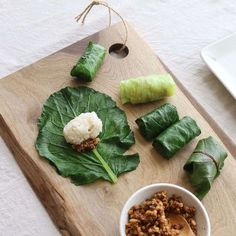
(151, 209)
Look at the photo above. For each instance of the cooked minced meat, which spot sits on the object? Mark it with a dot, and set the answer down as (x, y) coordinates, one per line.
(150, 218)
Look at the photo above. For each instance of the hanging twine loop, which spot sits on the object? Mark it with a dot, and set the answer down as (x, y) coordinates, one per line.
(82, 16)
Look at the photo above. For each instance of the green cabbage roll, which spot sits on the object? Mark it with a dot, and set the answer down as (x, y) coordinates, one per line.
(204, 165)
(176, 136)
(146, 89)
(89, 63)
(156, 121)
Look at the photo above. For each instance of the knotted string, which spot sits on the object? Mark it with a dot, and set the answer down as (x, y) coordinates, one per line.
(82, 16)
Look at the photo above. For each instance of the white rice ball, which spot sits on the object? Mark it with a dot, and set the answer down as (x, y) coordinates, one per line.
(86, 125)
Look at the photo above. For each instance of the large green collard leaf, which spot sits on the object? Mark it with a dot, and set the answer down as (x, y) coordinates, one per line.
(204, 165)
(107, 160)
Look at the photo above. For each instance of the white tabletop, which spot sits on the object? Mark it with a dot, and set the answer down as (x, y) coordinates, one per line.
(175, 29)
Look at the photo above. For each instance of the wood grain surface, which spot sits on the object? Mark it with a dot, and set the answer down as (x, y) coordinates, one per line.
(94, 209)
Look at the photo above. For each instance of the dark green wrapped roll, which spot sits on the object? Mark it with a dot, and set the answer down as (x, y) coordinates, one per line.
(89, 63)
(156, 121)
(204, 165)
(176, 136)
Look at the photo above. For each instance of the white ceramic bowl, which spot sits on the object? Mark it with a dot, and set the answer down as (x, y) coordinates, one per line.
(202, 219)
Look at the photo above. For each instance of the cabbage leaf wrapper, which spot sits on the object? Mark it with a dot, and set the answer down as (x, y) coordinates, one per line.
(107, 161)
(205, 164)
(156, 121)
(146, 88)
(176, 136)
(89, 63)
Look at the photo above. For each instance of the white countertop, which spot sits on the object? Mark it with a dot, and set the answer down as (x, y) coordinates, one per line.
(175, 29)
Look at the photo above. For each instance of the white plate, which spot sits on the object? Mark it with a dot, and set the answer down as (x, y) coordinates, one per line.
(221, 59)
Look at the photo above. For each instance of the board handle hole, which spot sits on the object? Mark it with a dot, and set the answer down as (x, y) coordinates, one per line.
(115, 51)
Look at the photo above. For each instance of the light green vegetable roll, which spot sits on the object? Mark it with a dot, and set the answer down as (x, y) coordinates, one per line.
(146, 88)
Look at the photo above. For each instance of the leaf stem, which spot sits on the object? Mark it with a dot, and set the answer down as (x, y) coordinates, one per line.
(106, 166)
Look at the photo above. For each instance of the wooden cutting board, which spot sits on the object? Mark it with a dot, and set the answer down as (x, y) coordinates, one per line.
(94, 209)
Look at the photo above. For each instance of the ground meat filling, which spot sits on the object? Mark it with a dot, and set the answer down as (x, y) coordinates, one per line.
(150, 218)
(86, 145)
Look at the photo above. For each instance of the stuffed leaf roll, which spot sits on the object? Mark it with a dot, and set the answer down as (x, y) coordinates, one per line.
(176, 136)
(156, 121)
(89, 63)
(204, 165)
(146, 89)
